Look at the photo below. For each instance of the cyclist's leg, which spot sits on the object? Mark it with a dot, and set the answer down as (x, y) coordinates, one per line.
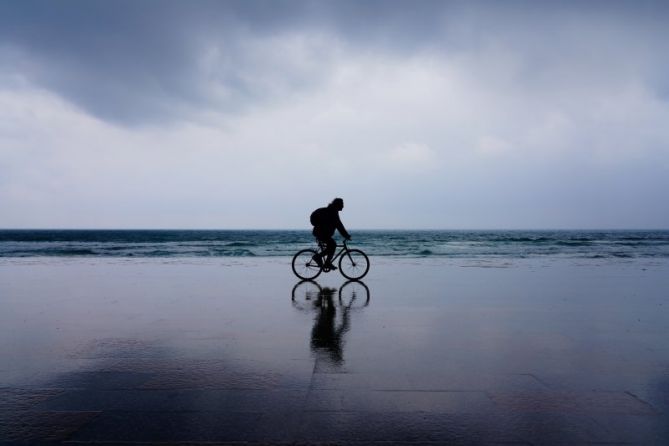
(318, 258)
(330, 247)
(324, 237)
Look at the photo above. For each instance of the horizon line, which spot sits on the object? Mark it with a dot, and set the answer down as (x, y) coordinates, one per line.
(350, 229)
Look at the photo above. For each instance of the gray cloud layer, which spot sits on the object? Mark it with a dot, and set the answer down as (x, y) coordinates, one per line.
(159, 113)
(142, 62)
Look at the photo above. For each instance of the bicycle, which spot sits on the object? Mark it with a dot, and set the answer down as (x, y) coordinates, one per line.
(353, 294)
(353, 263)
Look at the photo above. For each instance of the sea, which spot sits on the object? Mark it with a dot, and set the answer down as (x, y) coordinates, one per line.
(511, 244)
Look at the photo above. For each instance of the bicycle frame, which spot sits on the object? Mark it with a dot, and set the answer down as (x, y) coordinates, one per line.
(344, 249)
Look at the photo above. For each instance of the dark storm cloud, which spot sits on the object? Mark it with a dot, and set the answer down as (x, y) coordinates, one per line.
(135, 62)
(131, 61)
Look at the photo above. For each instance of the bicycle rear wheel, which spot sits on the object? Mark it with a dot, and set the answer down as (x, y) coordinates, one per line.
(304, 265)
(354, 264)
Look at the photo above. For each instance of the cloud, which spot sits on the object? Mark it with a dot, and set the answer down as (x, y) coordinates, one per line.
(145, 62)
(412, 156)
(244, 114)
(152, 62)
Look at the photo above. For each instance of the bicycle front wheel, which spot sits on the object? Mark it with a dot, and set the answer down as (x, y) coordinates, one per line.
(304, 265)
(354, 294)
(354, 264)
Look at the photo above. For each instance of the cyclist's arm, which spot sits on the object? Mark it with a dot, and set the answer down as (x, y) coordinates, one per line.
(342, 229)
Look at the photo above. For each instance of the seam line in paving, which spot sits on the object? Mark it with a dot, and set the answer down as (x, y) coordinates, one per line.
(424, 390)
(302, 413)
(535, 377)
(645, 403)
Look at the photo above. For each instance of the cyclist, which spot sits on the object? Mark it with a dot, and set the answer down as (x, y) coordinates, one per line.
(325, 221)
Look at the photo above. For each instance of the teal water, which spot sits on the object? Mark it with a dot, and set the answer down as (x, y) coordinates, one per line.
(404, 243)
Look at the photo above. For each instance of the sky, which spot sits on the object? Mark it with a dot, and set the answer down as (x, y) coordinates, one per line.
(250, 114)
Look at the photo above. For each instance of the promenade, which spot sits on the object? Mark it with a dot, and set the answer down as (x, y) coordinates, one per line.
(424, 352)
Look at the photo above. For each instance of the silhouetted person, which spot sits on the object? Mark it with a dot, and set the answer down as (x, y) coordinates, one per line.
(325, 221)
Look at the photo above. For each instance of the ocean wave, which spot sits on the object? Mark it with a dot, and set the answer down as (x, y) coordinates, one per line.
(522, 239)
(456, 244)
(622, 255)
(573, 243)
(240, 244)
(241, 253)
(54, 252)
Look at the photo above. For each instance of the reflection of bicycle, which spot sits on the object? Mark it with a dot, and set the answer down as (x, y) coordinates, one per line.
(306, 294)
(353, 263)
(352, 294)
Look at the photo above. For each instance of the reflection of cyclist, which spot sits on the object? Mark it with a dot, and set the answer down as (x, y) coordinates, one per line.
(325, 221)
(327, 339)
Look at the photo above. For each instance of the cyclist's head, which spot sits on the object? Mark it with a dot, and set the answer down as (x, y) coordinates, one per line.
(338, 204)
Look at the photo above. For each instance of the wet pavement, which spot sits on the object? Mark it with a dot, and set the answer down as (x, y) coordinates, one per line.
(422, 352)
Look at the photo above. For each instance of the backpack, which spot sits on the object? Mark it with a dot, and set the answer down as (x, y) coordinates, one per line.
(317, 217)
